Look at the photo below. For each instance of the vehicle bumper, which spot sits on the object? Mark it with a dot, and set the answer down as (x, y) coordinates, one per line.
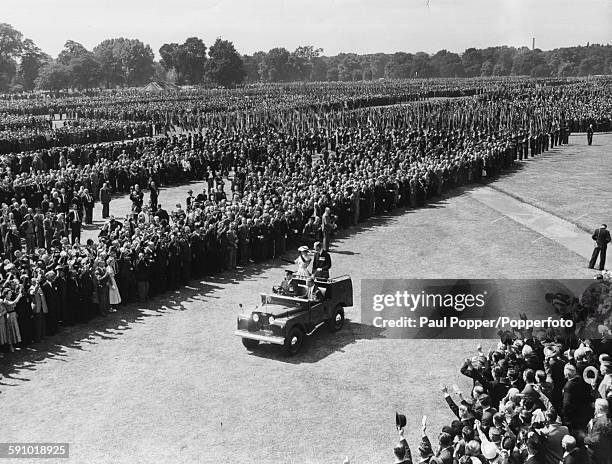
(260, 337)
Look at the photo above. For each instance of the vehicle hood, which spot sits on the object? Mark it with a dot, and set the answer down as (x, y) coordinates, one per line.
(278, 310)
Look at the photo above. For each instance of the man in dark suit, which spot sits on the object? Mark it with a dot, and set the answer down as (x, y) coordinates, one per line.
(162, 214)
(601, 237)
(590, 134)
(105, 198)
(321, 262)
(288, 286)
(576, 411)
(572, 454)
(402, 450)
(599, 437)
(88, 203)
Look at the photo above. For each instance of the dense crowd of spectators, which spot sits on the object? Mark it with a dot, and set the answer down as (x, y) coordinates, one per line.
(536, 399)
(354, 164)
(76, 131)
(529, 403)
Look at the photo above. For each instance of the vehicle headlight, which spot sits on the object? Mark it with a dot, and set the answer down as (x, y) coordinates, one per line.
(271, 320)
(255, 317)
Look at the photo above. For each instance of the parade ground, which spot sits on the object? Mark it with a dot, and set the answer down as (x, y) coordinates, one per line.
(172, 381)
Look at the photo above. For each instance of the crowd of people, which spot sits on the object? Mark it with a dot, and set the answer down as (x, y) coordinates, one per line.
(536, 399)
(39, 135)
(297, 179)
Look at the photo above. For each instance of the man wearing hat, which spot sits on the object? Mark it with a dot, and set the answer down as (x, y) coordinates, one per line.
(287, 286)
(601, 237)
(321, 262)
(402, 450)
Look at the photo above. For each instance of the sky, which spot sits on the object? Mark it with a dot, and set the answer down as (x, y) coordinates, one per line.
(359, 26)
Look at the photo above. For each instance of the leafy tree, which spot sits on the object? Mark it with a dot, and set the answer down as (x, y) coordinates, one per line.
(487, 68)
(448, 64)
(401, 65)
(8, 69)
(84, 71)
(225, 66)
(526, 60)
(111, 71)
(500, 70)
(302, 60)
(319, 69)
(423, 67)
(541, 70)
(275, 66)
(349, 68)
(192, 57)
(11, 46)
(332, 73)
(188, 60)
(70, 51)
(472, 62)
(52, 76)
(169, 59)
(32, 60)
(591, 65)
(124, 61)
(251, 66)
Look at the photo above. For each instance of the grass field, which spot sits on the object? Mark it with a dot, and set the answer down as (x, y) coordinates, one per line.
(170, 382)
(576, 186)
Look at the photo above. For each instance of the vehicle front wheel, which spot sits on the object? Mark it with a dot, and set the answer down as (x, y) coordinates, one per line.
(337, 321)
(250, 344)
(293, 341)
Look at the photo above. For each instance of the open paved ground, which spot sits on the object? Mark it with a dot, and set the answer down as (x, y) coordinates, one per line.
(170, 381)
(576, 186)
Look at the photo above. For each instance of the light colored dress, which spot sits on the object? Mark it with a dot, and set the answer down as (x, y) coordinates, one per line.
(113, 291)
(12, 326)
(302, 266)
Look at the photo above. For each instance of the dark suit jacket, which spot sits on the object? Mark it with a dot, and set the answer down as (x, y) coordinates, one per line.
(321, 260)
(599, 440)
(105, 195)
(577, 409)
(577, 456)
(601, 237)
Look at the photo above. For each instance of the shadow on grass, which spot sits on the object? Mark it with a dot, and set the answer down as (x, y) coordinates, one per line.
(321, 344)
(83, 336)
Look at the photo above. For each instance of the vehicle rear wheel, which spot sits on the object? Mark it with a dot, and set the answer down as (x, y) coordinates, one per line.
(337, 321)
(250, 344)
(293, 341)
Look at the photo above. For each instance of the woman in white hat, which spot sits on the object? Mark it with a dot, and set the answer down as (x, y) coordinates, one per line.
(303, 262)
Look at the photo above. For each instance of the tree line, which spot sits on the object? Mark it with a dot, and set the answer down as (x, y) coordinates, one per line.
(117, 62)
(122, 62)
(308, 64)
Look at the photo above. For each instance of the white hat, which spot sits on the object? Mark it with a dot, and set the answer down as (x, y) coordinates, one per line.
(489, 450)
(303, 248)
